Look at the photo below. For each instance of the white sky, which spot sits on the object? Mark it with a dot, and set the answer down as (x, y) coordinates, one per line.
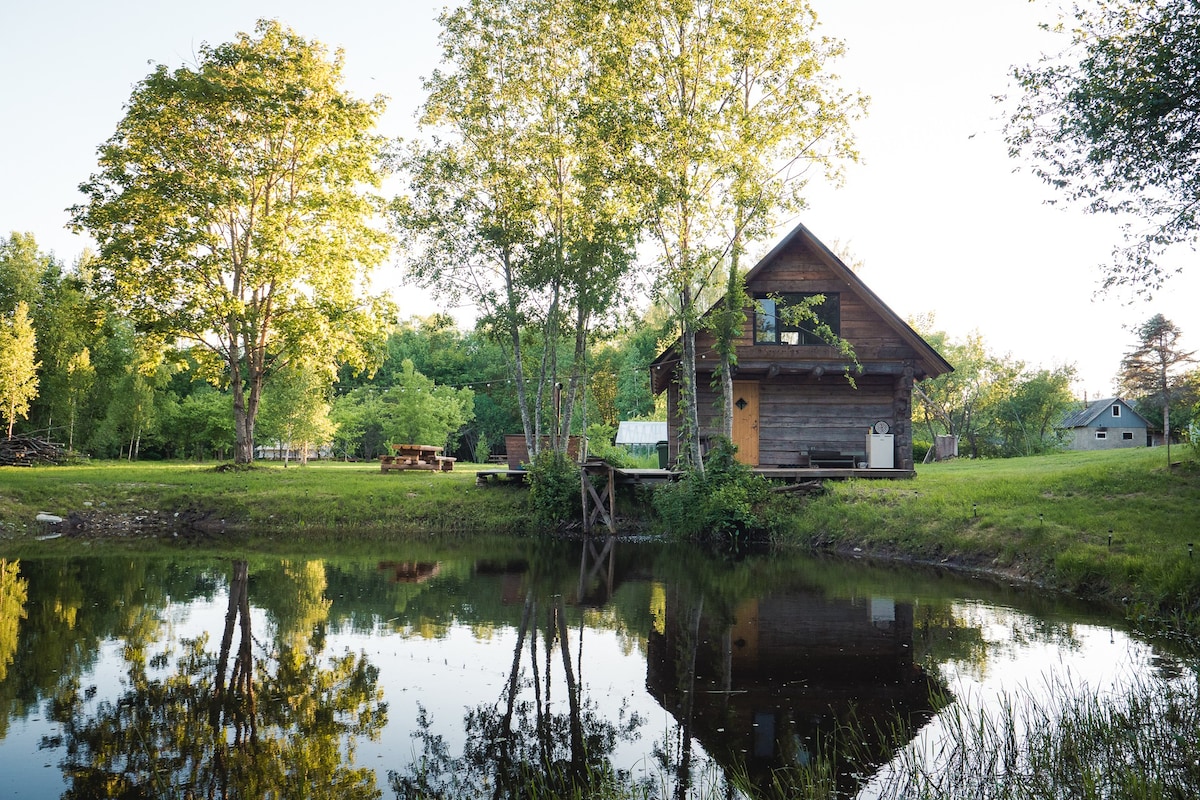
(936, 212)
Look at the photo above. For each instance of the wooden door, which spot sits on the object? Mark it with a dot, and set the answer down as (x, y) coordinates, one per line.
(745, 421)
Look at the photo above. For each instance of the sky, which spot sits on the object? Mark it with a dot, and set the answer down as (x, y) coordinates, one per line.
(940, 218)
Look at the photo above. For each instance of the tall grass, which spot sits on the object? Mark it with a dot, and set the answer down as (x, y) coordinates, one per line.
(1141, 743)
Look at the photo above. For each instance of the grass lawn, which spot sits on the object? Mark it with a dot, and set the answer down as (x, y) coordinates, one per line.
(308, 503)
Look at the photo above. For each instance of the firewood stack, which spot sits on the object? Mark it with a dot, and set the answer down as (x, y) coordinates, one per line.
(29, 451)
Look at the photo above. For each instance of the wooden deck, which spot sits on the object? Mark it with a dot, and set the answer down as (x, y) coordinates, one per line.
(790, 474)
(644, 477)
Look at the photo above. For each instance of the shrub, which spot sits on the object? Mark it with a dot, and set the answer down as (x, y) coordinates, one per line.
(600, 445)
(554, 489)
(482, 450)
(725, 502)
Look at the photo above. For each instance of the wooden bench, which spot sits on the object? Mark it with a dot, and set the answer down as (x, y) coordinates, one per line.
(446, 463)
(833, 459)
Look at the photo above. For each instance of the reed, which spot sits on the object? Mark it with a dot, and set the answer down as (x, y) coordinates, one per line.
(1141, 742)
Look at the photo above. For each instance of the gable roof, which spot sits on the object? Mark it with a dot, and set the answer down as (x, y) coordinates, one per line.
(932, 362)
(1084, 418)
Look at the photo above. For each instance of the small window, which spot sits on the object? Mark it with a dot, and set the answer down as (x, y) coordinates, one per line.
(1101, 434)
(1116, 411)
(1127, 435)
(774, 325)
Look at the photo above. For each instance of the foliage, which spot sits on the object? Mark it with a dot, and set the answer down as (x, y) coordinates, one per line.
(1025, 419)
(452, 358)
(993, 403)
(230, 210)
(1110, 123)
(620, 383)
(1150, 372)
(515, 200)
(201, 425)
(600, 439)
(295, 411)
(554, 489)
(411, 408)
(725, 503)
(421, 412)
(18, 365)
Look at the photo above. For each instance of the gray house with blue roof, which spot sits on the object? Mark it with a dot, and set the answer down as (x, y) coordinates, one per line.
(1105, 425)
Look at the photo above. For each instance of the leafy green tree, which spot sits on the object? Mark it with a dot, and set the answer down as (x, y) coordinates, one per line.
(62, 312)
(22, 267)
(18, 364)
(295, 411)
(421, 412)
(1111, 123)
(351, 419)
(201, 424)
(516, 202)
(1151, 371)
(79, 378)
(232, 208)
(962, 402)
(1024, 418)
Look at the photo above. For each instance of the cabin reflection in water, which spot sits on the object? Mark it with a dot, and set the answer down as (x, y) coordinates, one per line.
(766, 686)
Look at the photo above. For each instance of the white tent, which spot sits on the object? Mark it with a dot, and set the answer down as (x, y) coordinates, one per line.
(641, 433)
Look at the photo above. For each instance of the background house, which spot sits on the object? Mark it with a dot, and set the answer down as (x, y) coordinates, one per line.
(792, 398)
(1106, 424)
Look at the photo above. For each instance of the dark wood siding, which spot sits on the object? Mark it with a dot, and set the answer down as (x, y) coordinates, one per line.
(797, 415)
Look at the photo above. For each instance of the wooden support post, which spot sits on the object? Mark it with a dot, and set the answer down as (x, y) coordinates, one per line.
(591, 565)
(603, 503)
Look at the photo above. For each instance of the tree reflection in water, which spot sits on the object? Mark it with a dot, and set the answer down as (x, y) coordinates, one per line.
(522, 745)
(283, 725)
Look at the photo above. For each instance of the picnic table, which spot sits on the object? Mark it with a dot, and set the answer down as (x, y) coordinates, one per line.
(416, 456)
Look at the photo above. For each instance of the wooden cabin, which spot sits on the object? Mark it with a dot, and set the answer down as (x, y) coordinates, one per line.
(793, 405)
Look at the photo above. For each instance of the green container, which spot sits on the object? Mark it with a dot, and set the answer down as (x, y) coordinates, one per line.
(664, 454)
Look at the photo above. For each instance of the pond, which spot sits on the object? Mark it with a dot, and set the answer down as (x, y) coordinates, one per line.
(477, 668)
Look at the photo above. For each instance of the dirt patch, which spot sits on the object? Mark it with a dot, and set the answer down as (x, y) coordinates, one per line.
(105, 523)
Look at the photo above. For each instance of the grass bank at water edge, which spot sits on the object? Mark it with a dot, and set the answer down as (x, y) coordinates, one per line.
(1120, 525)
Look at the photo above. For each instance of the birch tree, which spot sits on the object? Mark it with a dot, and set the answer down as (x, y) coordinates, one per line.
(515, 200)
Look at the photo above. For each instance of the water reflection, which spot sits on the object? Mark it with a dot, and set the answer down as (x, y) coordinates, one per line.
(477, 670)
(282, 725)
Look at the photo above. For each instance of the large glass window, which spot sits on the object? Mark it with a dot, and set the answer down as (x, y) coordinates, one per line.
(781, 319)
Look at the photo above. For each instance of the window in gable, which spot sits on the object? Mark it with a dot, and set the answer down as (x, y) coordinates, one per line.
(777, 320)
(1116, 410)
